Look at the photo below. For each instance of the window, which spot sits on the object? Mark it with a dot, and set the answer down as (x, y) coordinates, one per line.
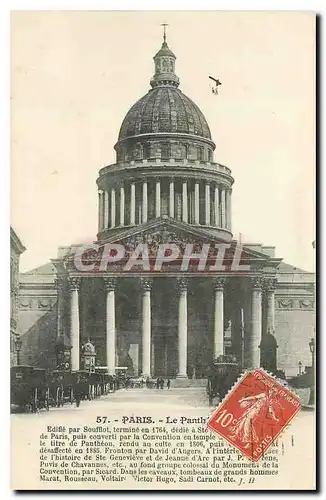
(210, 155)
(146, 151)
(165, 151)
(200, 153)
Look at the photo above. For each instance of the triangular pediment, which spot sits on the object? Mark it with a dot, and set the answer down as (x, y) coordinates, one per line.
(167, 230)
(147, 241)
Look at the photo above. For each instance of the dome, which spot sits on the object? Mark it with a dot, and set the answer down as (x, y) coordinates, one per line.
(164, 109)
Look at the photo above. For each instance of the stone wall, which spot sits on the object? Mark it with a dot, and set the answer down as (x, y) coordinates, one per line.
(293, 331)
(38, 329)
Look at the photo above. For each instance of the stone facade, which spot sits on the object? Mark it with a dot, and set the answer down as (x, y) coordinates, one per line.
(16, 249)
(165, 187)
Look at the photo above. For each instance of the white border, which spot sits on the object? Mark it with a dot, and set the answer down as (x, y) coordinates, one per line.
(5, 8)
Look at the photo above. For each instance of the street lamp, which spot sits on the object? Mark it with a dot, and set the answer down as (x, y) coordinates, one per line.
(18, 346)
(312, 347)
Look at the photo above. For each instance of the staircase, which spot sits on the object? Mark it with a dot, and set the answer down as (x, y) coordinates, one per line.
(188, 382)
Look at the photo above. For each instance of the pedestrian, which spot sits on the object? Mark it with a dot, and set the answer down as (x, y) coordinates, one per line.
(158, 383)
(168, 383)
(78, 392)
(162, 383)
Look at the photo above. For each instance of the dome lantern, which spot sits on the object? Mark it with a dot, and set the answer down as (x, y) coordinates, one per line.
(164, 66)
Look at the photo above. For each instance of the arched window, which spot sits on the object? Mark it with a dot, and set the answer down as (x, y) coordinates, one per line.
(210, 155)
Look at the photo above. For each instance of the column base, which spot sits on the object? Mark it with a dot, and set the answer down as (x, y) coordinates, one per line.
(181, 375)
(146, 375)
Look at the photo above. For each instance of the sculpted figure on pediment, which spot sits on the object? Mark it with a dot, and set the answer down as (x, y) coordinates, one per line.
(155, 239)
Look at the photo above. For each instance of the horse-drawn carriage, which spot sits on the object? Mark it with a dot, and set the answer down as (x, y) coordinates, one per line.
(29, 388)
(224, 372)
(61, 388)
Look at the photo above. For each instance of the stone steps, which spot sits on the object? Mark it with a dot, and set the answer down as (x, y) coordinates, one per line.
(187, 382)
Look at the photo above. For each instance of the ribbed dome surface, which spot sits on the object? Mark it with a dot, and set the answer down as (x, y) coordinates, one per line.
(164, 109)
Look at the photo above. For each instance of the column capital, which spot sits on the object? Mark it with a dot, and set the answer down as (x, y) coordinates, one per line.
(219, 283)
(74, 283)
(171, 178)
(146, 284)
(110, 284)
(184, 180)
(270, 284)
(182, 284)
(257, 282)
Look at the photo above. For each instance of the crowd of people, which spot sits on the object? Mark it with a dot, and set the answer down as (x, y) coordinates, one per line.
(158, 383)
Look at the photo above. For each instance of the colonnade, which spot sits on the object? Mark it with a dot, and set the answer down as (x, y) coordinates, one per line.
(253, 340)
(215, 211)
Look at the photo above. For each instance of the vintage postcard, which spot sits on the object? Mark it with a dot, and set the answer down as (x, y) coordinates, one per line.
(163, 250)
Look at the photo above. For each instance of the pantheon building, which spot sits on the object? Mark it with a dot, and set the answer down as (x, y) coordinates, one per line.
(167, 186)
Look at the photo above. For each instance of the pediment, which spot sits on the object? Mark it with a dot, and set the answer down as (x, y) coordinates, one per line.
(149, 239)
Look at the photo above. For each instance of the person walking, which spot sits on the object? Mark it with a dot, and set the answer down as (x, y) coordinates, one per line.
(168, 383)
(162, 383)
(78, 392)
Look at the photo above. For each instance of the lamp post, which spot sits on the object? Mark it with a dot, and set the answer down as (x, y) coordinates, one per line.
(312, 348)
(18, 346)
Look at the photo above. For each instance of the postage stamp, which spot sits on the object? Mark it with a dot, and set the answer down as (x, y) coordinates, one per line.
(254, 413)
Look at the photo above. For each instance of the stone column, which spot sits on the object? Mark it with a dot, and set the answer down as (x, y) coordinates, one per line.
(223, 220)
(74, 322)
(270, 285)
(100, 210)
(182, 328)
(218, 285)
(60, 285)
(207, 205)
(184, 201)
(106, 209)
(158, 199)
(145, 202)
(171, 199)
(229, 209)
(122, 205)
(217, 206)
(196, 202)
(146, 285)
(110, 284)
(132, 204)
(256, 323)
(113, 221)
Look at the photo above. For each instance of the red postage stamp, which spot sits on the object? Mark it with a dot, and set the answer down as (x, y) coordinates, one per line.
(254, 413)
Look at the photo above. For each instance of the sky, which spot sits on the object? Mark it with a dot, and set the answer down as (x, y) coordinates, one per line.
(74, 76)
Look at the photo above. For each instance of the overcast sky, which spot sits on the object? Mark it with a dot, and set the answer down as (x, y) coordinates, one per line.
(76, 74)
